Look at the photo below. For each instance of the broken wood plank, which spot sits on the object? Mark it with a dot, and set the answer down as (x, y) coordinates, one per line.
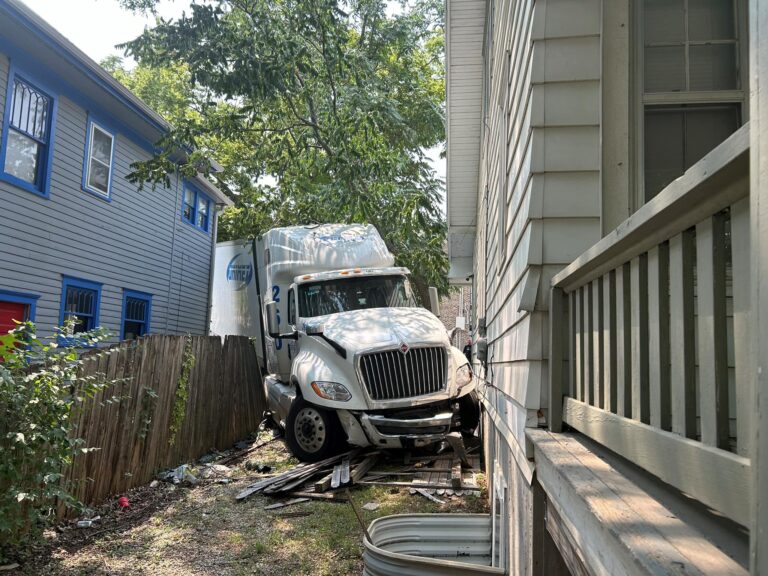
(336, 476)
(423, 485)
(290, 502)
(324, 483)
(429, 496)
(323, 496)
(363, 467)
(345, 471)
(457, 444)
(456, 474)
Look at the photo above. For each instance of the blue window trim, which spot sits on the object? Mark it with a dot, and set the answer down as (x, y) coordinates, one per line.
(45, 184)
(68, 281)
(87, 156)
(22, 298)
(139, 296)
(198, 194)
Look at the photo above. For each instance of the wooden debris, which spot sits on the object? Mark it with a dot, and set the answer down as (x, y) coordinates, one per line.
(290, 502)
(429, 496)
(456, 474)
(362, 469)
(334, 496)
(457, 443)
(324, 483)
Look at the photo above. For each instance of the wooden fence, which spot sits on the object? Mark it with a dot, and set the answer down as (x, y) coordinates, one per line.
(130, 422)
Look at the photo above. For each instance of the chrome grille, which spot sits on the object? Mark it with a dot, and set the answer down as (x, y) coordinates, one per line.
(390, 374)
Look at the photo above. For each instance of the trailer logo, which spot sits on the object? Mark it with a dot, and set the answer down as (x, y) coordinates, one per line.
(239, 274)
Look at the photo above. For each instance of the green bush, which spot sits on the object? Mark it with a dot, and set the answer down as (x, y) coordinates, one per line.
(40, 390)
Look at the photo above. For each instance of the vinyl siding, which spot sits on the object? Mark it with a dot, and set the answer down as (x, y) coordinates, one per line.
(551, 180)
(137, 241)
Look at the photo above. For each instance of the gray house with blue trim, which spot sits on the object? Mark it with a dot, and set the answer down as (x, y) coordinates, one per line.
(77, 239)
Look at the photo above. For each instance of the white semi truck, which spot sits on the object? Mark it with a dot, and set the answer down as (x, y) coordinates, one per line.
(349, 354)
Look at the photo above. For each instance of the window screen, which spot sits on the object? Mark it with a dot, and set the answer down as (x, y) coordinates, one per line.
(136, 317)
(99, 160)
(27, 141)
(80, 307)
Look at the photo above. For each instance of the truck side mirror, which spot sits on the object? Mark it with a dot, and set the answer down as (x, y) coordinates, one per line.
(273, 326)
(434, 301)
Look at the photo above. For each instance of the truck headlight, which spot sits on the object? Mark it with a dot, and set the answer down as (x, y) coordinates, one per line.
(331, 391)
(463, 375)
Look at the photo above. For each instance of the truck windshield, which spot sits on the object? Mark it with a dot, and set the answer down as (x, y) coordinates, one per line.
(346, 294)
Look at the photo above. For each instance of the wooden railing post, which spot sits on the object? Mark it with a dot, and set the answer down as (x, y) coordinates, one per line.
(558, 345)
(758, 57)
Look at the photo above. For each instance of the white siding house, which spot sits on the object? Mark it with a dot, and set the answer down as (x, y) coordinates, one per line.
(598, 166)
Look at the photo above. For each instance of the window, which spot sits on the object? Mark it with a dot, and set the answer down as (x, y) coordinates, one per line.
(196, 208)
(99, 152)
(291, 308)
(355, 293)
(692, 92)
(136, 314)
(15, 307)
(80, 303)
(26, 136)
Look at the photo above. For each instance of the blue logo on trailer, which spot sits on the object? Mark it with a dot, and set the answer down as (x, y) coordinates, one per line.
(239, 274)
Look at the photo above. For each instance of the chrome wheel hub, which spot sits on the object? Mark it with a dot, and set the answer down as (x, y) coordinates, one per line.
(309, 430)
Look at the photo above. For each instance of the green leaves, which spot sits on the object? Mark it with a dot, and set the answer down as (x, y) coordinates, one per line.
(318, 111)
(40, 390)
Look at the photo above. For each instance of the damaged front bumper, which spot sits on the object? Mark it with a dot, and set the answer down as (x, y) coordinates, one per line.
(402, 429)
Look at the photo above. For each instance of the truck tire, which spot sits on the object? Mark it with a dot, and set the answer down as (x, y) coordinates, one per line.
(312, 433)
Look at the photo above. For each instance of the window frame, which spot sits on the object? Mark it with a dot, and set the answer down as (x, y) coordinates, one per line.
(640, 99)
(29, 300)
(91, 126)
(136, 295)
(197, 195)
(46, 161)
(71, 281)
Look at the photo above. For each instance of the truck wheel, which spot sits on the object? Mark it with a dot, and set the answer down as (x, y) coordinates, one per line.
(469, 409)
(311, 432)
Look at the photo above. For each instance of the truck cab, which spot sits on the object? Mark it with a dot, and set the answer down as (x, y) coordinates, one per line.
(354, 358)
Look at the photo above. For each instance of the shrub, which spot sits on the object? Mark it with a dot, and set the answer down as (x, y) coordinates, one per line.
(40, 390)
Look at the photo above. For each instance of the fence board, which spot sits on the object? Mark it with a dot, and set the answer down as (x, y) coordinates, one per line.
(225, 403)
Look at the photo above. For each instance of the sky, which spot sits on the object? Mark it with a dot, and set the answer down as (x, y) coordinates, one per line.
(96, 26)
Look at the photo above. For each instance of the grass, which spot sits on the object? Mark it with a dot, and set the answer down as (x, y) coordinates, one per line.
(203, 530)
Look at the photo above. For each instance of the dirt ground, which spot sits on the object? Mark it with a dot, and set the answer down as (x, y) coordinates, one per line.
(202, 530)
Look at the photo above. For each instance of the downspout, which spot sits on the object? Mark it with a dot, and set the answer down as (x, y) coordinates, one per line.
(212, 269)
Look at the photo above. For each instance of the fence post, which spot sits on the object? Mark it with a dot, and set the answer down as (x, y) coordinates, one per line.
(557, 347)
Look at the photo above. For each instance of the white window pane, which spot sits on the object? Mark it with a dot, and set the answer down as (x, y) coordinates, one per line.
(202, 206)
(101, 146)
(665, 69)
(711, 20)
(706, 127)
(98, 177)
(664, 152)
(189, 197)
(713, 67)
(664, 21)
(21, 157)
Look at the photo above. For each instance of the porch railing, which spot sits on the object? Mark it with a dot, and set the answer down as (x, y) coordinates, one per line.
(649, 335)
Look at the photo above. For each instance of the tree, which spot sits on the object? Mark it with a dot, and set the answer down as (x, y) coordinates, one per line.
(319, 111)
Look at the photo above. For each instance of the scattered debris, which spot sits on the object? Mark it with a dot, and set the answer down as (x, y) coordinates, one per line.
(240, 454)
(88, 522)
(429, 496)
(8, 567)
(180, 474)
(371, 506)
(286, 503)
(123, 502)
(326, 479)
(256, 466)
(214, 470)
(154, 484)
